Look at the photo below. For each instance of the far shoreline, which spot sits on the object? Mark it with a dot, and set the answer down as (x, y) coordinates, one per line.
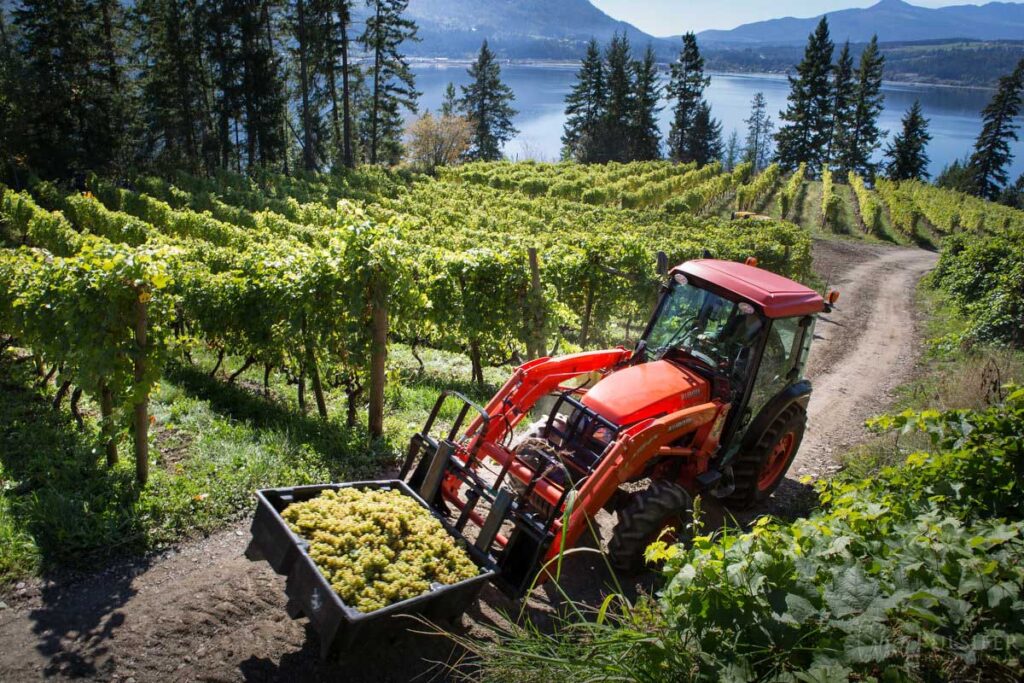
(465, 62)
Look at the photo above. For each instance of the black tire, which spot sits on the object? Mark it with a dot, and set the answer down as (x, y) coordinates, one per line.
(643, 518)
(759, 471)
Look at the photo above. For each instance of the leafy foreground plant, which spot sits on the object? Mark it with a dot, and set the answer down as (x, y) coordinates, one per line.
(915, 574)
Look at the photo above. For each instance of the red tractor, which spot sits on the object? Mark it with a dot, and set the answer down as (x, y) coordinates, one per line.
(711, 401)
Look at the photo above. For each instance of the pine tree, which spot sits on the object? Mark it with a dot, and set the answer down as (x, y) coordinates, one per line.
(304, 30)
(486, 102)
(66, 124)
(585, 109)
(908, 159)
(685, 88)
(10, 116)
(264, 99)
(338, 63)
(843, 102)
(758, 147)
(617, 127)
(704, 138)
(450, 103)
(992, 148)
(731, 155)
(392, 85)
(863, 136)
(805, 136)
(173, 98)
(646, 138)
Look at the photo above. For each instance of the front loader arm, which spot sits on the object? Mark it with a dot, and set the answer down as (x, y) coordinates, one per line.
(530, 382)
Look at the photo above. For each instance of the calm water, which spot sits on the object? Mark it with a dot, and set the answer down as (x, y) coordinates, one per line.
(540, 93)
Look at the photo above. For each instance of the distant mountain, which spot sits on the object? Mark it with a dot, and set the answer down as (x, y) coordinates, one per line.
(892, 20)
(519, 29)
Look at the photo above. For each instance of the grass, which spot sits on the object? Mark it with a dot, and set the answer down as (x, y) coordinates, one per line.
(212, 444)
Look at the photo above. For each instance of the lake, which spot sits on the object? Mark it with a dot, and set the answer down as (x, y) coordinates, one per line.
(953, 113)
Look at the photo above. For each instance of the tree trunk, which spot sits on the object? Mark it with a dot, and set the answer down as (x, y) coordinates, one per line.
(475, 361)
(346, 91)
(301, 390)
(61, 393)
(249, 362)
(378, 357)
(537, 338)
(352, 406)
(76, 395)
(107, 428)
(216, 366)
(314, 375)
(141, 408)
(267, 369)
(375, 111)
(308, 162)
(588, 309)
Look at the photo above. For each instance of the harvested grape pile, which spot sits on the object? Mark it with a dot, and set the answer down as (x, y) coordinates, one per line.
(377, 547)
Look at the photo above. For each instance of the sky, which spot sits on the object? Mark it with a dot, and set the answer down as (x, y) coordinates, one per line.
(672, 17)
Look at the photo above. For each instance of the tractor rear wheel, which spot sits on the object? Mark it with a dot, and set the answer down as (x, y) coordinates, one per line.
(760, 470)
(647, 514)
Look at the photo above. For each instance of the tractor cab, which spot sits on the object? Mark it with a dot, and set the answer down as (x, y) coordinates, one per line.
(746, 331)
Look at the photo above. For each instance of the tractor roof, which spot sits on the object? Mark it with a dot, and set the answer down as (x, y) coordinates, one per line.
(778, 296)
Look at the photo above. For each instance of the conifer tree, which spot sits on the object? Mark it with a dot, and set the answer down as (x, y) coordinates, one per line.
(862, 136)
(731, 155)
(10, 117)
(704, 138)
(486, 102)
(907, 155)
(67, 102)
(843, 96)
(758, 147)
(646, 138)
(807, 130)
(992, 147)
(585, 109)
(264, 99)
(173, 99)
(617, 127)
(450, 103)
(392, 85)
(686, 89)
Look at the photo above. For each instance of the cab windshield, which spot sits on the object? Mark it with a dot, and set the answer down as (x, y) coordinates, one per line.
(703, 325)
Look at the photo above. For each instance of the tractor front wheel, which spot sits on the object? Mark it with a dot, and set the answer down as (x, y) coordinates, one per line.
(662, 507)
(760, 470)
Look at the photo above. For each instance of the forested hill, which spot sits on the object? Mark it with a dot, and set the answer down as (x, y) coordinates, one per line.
(892, 20)
(519, 29)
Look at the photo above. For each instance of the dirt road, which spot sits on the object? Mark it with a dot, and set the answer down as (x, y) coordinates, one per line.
(202, 612)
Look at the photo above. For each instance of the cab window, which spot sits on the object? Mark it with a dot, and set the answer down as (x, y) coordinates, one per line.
(783, 351)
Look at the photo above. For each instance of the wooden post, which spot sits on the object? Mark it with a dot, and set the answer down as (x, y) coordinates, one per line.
(588, 308)
(107, 424)
(662, 263)
(314, 373)
(141, 407)
(378, 356)
(537, 339)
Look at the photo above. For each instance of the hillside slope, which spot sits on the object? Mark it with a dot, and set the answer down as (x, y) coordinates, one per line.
(892, 20)
(535, 29)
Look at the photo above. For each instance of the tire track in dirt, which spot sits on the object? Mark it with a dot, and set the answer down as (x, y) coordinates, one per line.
(202, 612)
(863, 350)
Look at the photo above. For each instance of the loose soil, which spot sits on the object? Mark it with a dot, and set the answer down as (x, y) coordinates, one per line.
(203, 612)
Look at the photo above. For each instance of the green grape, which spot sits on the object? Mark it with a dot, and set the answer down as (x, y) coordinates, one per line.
(377, 547)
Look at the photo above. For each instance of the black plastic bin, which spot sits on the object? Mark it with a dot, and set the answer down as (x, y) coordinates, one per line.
(338, 625)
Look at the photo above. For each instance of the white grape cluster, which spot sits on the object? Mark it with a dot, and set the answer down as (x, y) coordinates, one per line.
(377, 547)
